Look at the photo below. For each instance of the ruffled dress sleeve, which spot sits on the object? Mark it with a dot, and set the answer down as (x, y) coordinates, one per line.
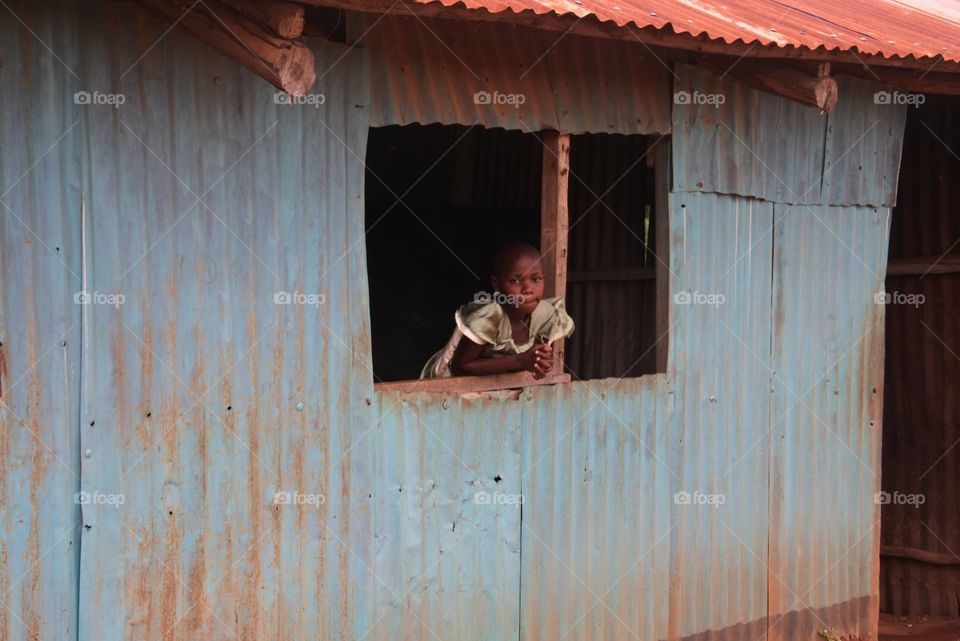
(550, 320)
(479, 322)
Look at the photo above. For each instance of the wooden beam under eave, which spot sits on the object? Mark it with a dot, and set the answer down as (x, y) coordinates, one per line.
(284, 19)
(554, 222)
(591, 26)
(806, 86)
(912, 80)
(286, 64)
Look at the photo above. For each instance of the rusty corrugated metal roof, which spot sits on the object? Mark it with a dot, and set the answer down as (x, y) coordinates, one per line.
(889, 28)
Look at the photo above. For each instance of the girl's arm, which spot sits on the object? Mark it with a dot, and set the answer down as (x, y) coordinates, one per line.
(468, 360)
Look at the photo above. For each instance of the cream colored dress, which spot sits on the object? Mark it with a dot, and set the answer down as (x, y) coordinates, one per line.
(487, 324)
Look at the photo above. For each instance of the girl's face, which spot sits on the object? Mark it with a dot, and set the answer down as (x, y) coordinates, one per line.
(521, 282)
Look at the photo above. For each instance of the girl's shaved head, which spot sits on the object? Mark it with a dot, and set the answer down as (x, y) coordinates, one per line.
(506, 257)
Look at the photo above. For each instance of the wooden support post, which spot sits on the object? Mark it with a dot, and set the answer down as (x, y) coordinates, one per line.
(554, 222)
(661, 231)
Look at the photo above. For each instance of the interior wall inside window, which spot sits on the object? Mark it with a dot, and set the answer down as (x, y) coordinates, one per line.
(440, 200)
(611, 270)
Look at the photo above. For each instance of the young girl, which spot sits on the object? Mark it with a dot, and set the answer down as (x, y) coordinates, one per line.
(510, 331)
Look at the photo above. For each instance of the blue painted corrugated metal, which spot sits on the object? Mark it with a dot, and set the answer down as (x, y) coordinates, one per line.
(446, 504)
(720, 253)
(863, 144)
(827, 412)
(40, 204)
(202, 396)
(826, 358)
(599, 472)
(428, 70)
(744, 141)
(752, 143)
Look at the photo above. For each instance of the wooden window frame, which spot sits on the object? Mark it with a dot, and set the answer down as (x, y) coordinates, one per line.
(554, 243)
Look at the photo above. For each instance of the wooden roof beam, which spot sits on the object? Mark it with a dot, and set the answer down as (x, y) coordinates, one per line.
(912, 80)
(286, 64)
(812, 87)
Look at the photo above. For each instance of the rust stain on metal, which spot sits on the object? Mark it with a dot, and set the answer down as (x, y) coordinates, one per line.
(31, 594)
(4, 558)
(146, 385)
(195, 591)
(139, 586)
(250, 599)
(170, 580)
(345, 584)
(432, 70)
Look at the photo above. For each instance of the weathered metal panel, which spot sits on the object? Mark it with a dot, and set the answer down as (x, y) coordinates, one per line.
(429, 70)
(732, 139)
(826, 414)
(599, 461)
(863, 143)
(891, 28)
(445, 517)
(204, 395)
(40, 203)
(720, 345)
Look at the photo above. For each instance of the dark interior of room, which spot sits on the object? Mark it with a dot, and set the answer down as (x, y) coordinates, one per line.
(920, 566)
(441, 199)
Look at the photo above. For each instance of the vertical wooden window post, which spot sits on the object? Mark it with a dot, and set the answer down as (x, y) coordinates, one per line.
(661, 228)
(554, 222)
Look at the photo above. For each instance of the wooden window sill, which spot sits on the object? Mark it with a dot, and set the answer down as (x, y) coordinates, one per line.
(471, 384)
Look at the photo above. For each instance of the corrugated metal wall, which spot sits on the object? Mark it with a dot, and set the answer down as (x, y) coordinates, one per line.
(598, 475)
(825, 361)
(445, 482)
(40, 202)
(648, 504)
(922, 413)
(202, 396)
(429, 70)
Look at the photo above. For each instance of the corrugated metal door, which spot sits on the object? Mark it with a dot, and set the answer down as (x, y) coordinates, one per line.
(829, 263)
